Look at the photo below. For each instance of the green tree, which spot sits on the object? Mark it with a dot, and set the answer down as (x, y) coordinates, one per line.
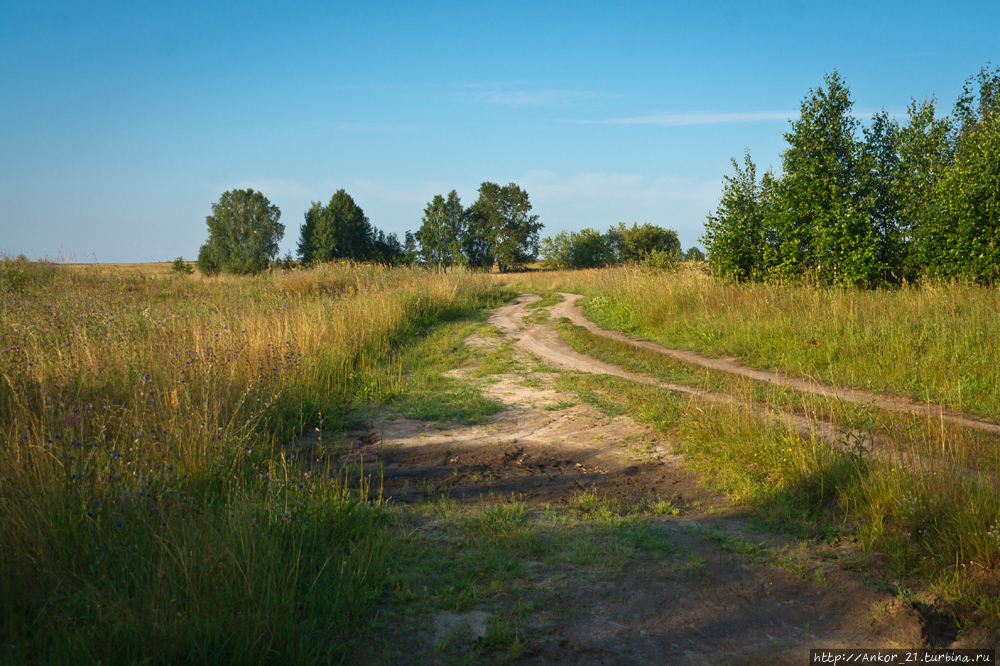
(694, 253)
(243, 234)
(386, 249)
(587, 248)
(339, 230)
(635, 242)
(739, 238)
(181, 267)
(963, 237)
(501, 228)
(441, 231)
(824, 225)
(925, 155)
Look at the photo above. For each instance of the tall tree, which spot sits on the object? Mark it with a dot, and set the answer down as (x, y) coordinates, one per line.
(966, 231)
(739, 238)
(925, 155)
(243, 234)
(339, 230)
(501, 228)
(824, 225)
(441, 231)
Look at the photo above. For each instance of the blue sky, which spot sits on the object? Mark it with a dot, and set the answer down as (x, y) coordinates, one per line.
(121, 123)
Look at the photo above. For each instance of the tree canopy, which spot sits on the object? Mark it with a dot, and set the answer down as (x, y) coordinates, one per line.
(501, 229)
(243, 234)
(589, 248)
(441, 231)
(895, 201)
(341, 230)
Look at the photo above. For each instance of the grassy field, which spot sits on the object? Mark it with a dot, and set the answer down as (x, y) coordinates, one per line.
(938, 521)
(149, 507)
(936, 342)
(151, 510)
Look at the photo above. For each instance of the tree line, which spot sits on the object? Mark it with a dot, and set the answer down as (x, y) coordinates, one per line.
(589, 248)
(497, 230)
(869, 205)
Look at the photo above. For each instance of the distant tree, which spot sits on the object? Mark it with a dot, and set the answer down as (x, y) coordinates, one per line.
(339, 230)
(181, 267)
(586, 248)
(634, 243)
(694, 253)
(411, 252)
(243, 234)
(501, 228)
(386, 249)
(441, 231)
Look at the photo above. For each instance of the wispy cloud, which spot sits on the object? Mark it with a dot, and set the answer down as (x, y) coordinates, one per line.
(516, 98)
(680, 119)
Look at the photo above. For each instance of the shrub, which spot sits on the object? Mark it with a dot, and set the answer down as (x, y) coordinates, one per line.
(181, 268)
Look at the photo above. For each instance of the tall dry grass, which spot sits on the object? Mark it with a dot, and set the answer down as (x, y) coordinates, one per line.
(148, 510)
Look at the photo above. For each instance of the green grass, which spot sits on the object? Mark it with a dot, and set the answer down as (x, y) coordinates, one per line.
(150, 510)
(936, 341)
(425, 392)
(928, 523)
(904, 432)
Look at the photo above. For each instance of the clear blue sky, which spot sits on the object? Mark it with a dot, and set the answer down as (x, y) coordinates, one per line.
(121, 123)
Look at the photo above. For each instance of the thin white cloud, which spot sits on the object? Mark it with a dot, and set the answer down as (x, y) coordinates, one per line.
(517, 98)
(680, 119)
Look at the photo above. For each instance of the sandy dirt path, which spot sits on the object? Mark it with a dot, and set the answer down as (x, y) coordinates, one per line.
(546, 344)
(707, 603)
(569, 309)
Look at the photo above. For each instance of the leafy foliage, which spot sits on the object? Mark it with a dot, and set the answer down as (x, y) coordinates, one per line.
(441, 231)
(341, 230)
(180, 267)
(898, 202)
(635, 243)
(501, 228)
(694, 253)
(737, 235)
(588, 248)
(243, 234)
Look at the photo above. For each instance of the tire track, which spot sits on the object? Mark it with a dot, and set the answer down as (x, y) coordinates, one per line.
(545, 343)
(569, 309)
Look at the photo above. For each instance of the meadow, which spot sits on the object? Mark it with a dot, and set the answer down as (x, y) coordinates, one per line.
(916, 489)
(151, 509)
(148, 505)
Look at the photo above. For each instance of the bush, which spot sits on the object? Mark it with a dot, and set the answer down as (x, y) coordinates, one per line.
(588, 248)
(18, 273)
(208, 264)
(181, 268)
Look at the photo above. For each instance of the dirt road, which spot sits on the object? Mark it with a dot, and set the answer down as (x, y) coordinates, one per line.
(569, 309)
(729, 595)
